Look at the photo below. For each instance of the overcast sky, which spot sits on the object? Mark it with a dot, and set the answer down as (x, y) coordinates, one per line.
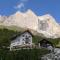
(40, 7)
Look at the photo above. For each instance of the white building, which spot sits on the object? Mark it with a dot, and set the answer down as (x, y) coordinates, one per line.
(21, 40)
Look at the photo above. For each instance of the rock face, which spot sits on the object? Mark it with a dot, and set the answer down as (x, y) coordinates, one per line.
(45, 24)
(53, 55)
(49, 26)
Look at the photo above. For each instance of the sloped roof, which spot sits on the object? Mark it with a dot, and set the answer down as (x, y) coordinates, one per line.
(45, 41)
(14, 37)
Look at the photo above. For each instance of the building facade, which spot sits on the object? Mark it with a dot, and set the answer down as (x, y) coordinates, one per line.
(21, 40)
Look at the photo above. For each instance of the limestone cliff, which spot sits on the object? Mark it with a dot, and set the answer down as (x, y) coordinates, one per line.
(45, 24)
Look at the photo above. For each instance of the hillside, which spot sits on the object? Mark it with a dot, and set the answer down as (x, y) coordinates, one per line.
(6, 35)
(24, 54)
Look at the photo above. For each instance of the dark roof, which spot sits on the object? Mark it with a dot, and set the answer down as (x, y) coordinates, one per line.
(14, 37)
(45, 41)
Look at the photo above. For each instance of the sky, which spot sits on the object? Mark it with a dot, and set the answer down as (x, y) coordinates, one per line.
(39, 7)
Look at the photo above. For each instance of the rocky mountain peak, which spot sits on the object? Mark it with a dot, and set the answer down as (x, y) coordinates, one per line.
(45, 24)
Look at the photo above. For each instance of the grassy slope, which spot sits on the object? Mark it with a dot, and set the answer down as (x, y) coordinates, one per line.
(5, 39)
(24, 54)
(34, 54)
(6, 35)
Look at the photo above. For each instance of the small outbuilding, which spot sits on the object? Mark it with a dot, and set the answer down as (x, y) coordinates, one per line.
(44, 43)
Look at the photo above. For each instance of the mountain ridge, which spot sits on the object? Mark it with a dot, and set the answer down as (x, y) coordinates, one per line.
(45, 24)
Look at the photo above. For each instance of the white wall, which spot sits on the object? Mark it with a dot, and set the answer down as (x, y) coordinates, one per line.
(20, 40)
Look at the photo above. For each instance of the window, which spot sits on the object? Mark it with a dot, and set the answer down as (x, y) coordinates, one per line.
(29, 36)
(27, 39)
(23, 39)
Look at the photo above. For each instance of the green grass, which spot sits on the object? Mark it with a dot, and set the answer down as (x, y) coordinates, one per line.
(31, 54)
(24, 54)
(55, 41)
(6, 35)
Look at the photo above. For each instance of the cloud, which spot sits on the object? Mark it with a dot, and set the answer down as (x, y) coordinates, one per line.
(21, 5)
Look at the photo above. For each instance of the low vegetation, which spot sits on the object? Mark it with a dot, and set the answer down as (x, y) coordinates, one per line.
(27, 54)
(24, 54)
(5, 36)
